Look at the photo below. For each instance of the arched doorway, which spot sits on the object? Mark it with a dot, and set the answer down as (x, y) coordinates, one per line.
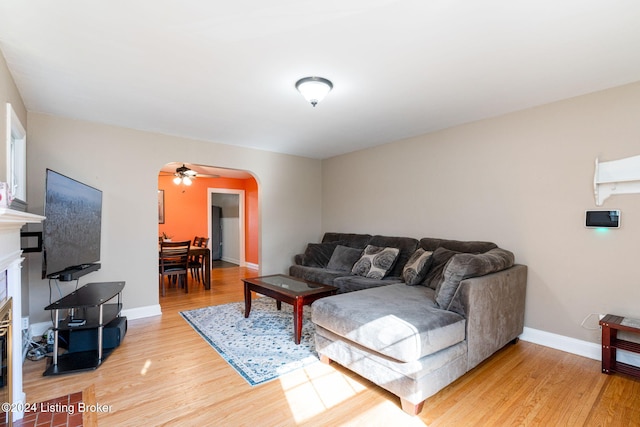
(185, 210)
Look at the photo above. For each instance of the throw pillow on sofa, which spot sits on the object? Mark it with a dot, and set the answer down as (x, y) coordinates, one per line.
(343, 258)
(318, 254)
(416, 267)
(375, 262)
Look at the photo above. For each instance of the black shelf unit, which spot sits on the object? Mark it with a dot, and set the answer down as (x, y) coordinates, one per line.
(92, 316)
(90, 302)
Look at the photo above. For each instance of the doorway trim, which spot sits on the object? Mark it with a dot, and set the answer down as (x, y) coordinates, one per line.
(241, 222)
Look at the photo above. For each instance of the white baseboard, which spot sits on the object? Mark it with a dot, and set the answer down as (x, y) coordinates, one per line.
(231, 260)
(248, 265)
(575, 346)
(142, 312)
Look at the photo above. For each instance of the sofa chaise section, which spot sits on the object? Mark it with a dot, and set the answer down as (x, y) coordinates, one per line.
(415, 340)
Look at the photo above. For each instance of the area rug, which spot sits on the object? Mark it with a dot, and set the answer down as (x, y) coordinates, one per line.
(261, 347)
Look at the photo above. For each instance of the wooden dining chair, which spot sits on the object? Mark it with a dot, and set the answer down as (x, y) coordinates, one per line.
(193, 259)
(174, 263)
(196, 263)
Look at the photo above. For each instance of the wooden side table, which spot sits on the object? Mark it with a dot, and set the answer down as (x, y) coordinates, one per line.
(611, 324)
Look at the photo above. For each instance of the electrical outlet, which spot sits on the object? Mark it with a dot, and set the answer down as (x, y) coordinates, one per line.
(25, 323)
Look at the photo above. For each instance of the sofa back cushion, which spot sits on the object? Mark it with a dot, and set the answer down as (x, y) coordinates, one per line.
(352, 240)
(435, 274)
(462, 266)
(406, 245)
(431, 244)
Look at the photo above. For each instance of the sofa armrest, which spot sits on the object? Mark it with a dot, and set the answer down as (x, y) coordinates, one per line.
(494, 308)
(298, 259)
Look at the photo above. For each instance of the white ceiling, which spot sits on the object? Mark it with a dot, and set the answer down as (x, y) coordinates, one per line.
(224, 71)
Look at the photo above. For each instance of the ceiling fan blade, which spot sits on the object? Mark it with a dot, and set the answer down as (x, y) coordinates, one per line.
(191, 170)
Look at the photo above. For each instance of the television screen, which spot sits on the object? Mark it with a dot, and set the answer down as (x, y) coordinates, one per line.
(72, 227)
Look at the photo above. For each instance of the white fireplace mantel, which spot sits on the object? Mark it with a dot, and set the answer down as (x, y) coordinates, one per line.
(11, 216)
(11, 221)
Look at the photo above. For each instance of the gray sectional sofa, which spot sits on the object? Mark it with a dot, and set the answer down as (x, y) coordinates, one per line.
(441, 308)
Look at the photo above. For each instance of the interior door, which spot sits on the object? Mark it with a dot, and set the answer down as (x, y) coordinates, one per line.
(216, 232)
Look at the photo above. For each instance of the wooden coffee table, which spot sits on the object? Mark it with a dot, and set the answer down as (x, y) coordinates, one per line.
(294, 291)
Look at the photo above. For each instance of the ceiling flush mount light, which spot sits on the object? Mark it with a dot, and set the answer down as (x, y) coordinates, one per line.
(314, 89)
(184, 175)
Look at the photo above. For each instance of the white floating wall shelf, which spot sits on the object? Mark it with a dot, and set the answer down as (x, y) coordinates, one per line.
(616, 177)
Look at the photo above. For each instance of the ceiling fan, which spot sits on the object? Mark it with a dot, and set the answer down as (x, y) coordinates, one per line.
(184, 174)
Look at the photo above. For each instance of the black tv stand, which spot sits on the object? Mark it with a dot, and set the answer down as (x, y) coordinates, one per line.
(92, 300)
(74, 273)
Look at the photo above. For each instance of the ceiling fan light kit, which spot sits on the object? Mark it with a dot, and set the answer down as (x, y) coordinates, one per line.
(184, 175)
(180, 173)
(184, 180)
(314, 89)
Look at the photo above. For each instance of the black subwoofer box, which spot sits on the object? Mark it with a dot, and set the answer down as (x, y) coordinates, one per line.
(87, 339)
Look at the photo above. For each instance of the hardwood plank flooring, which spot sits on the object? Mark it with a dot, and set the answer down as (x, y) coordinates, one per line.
(165, 374)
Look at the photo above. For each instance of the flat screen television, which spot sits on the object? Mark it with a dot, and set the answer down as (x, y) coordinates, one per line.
(72, 228)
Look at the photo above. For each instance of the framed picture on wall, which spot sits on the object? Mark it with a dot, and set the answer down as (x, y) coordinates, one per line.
(160, 206)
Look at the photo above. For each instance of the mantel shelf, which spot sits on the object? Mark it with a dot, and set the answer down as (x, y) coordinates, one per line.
(18, 218)
(616, 177)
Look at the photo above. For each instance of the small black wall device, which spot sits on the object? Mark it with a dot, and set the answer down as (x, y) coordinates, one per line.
(606, 219)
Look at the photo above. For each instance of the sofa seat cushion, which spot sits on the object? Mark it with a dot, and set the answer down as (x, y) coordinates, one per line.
(315, 274)
(353, 283)
(398, 321)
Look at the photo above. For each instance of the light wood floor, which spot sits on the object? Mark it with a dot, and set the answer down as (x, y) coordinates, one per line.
(165, 374)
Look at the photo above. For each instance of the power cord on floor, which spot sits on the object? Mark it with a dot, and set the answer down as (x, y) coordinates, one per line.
(36, 350)
(42, 346)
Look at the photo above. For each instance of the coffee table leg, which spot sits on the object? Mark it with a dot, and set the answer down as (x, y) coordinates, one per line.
(297, 319)
(247, 300)
(279, 304)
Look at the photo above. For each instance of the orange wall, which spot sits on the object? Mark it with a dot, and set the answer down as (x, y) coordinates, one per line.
(251, 219)
(186, 209)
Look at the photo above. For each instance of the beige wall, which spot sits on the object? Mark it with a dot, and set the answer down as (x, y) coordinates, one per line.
(9, 94)
(523, 181)
(124, 164)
